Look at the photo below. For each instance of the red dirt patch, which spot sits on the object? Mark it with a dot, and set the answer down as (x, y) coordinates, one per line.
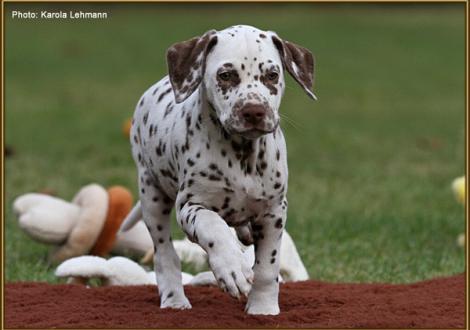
(438, 303)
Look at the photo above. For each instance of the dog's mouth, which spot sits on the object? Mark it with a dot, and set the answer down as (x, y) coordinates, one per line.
(233, 126)
(253, 133)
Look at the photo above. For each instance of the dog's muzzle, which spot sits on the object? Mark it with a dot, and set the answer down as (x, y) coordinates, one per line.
(253, 120)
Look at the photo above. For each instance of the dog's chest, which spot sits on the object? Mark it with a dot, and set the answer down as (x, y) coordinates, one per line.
(239, 183)
(247, 198)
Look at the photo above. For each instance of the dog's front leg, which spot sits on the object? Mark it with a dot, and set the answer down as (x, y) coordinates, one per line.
(226, 259)
(267, 234)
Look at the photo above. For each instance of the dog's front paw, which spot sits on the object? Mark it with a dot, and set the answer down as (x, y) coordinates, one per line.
(176, 301)
(232, 271)
(260, 309)
(262, 302)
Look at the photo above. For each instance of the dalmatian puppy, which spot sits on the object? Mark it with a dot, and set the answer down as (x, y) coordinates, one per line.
(206, 140)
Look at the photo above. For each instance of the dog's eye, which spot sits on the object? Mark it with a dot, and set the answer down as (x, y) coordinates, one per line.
(225, 75)
(272, 75)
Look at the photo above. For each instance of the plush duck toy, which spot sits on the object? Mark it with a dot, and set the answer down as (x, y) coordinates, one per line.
(88, 224)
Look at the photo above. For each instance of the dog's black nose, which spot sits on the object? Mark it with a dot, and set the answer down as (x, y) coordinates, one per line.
(253, 113)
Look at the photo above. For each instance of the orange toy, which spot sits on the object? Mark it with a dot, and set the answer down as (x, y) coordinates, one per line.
(119, 205)
(126, 127)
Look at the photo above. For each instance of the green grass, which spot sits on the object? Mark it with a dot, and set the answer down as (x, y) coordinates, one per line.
(370, 163)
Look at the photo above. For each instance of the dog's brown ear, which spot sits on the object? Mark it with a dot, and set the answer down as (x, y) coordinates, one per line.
(298, 61)
(187, 63)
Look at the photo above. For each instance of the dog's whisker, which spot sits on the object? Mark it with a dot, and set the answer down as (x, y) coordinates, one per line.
(291, 122)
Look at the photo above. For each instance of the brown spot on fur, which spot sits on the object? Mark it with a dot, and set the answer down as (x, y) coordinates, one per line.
(269, 83)
(162, 95)
(226, 85)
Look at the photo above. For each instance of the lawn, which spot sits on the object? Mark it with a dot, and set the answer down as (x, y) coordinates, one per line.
(370, 162)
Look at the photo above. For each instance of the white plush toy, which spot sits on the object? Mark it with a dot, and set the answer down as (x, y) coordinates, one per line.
(291, 266)
(115, 271)
(122, 271)
(119, 271)
(87, 225)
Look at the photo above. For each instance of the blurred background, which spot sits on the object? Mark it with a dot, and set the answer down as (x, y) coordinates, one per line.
(370, 162)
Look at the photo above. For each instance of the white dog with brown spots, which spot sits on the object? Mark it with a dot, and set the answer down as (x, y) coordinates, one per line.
(206, 139)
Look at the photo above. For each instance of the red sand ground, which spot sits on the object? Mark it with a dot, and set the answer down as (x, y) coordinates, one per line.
(438, 303)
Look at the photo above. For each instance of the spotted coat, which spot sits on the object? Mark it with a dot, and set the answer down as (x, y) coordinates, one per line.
(206, 141)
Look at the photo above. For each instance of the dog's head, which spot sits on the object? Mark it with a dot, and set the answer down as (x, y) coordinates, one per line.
(242, 71)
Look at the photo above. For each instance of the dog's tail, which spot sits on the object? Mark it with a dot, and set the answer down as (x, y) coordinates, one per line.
(132, 218)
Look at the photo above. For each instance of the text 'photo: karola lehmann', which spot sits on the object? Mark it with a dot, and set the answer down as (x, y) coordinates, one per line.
(60, 14)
